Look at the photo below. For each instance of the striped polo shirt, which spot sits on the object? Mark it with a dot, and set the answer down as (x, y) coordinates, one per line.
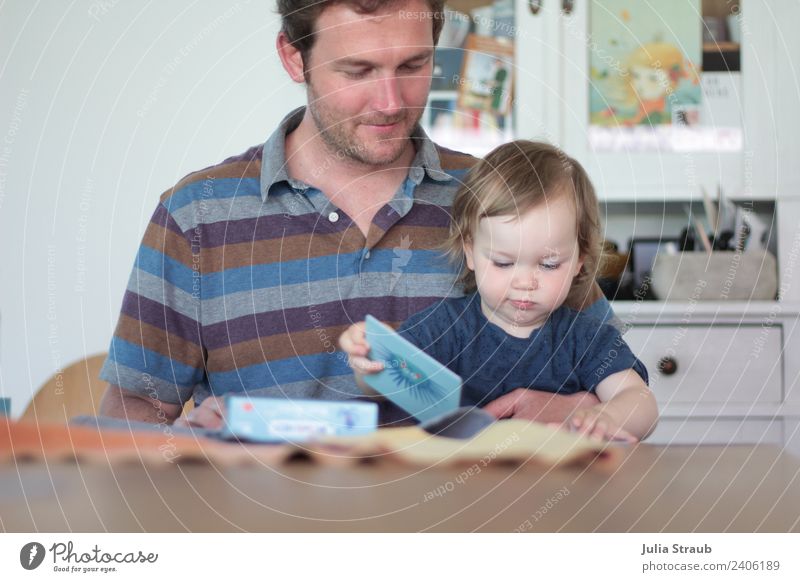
(246, 277)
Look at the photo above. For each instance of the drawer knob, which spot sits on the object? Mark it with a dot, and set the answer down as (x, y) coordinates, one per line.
(667, 366)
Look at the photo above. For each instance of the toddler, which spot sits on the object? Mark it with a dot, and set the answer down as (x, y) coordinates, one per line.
(525, 233)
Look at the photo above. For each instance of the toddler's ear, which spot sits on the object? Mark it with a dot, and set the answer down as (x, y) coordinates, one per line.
(468, 254)
(579, 265)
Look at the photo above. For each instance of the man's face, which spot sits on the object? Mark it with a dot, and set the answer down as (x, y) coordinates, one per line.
(368, 79)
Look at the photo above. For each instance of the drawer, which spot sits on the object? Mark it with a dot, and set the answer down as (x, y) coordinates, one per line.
(717, 431)
(734, 364)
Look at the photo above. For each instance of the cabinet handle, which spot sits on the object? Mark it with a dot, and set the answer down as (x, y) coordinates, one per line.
(667, 366)
(535, 6)
(567, 6)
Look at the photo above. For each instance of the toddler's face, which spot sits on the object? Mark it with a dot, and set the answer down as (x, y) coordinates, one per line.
(524, 265)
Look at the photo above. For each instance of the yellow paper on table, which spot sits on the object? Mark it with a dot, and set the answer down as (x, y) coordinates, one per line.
(517, 441)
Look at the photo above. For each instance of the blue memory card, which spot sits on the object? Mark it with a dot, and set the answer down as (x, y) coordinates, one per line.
(411, 378)
(277, 420)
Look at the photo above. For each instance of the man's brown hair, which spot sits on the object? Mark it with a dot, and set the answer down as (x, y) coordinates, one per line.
(299, 18)
(511, 180)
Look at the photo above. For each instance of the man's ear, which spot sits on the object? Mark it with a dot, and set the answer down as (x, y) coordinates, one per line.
(468, 254)
(291, 59)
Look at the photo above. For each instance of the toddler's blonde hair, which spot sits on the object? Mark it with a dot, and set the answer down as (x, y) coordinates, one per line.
(511, 180)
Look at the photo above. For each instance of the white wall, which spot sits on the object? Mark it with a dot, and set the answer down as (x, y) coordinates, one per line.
(104, 104)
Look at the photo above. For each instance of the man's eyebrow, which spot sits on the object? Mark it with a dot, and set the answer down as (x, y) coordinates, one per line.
(357, 62)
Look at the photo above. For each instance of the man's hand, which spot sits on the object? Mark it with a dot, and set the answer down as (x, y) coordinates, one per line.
(120, 403)
(539, 405)
(207, 415)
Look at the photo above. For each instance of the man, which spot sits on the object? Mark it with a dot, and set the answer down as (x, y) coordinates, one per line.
(250, 270)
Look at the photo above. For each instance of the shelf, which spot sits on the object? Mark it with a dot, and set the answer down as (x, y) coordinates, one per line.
(702, 312)
(668, 195)
(721, 410)
(442, 95)
(721, 47)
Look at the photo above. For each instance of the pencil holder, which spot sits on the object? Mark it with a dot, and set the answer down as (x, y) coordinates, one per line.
(716, 276)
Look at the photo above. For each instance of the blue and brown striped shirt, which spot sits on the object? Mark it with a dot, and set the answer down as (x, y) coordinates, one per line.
(246, 277)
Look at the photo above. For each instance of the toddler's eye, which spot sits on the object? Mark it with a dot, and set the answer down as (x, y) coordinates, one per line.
(501, 265)
(550, 266)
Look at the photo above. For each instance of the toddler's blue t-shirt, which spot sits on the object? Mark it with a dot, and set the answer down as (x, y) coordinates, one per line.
(571, 352)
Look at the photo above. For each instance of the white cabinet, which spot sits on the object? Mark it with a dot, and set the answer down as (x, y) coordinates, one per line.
(553, 81)
(737, 364)
(721, 372)
(554, 52)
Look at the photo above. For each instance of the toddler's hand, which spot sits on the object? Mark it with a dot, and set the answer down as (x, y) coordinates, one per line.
(595, 423)
(354, 343)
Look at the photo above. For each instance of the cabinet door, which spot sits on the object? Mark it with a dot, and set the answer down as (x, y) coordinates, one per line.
(480, 34)
(642, 162)
(537, 103)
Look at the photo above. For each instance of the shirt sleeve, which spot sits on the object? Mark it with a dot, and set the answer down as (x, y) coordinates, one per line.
(602, 311)
(602, 353)
(156, 350)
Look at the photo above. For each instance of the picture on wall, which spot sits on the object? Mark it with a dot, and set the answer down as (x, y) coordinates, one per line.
(645, 59)
(486, 79)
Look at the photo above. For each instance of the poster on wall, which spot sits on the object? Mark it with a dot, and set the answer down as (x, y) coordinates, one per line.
(645, 60)
(486, 79)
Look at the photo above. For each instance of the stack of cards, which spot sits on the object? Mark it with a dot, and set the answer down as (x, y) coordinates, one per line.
(276, 420)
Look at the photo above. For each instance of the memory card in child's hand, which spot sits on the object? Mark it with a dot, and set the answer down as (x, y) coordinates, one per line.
(410, 378)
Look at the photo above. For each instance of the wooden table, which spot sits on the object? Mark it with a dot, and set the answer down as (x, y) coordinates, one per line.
(649, 488)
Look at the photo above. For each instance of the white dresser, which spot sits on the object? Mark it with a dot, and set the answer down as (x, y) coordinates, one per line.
(723, 373)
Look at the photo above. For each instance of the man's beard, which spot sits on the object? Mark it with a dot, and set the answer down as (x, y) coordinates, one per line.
(343, 144)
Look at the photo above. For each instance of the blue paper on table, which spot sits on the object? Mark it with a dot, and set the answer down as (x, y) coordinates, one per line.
(277, 420)
(411, 378)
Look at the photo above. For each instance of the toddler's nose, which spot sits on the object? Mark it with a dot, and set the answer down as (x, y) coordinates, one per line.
(528, 281)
